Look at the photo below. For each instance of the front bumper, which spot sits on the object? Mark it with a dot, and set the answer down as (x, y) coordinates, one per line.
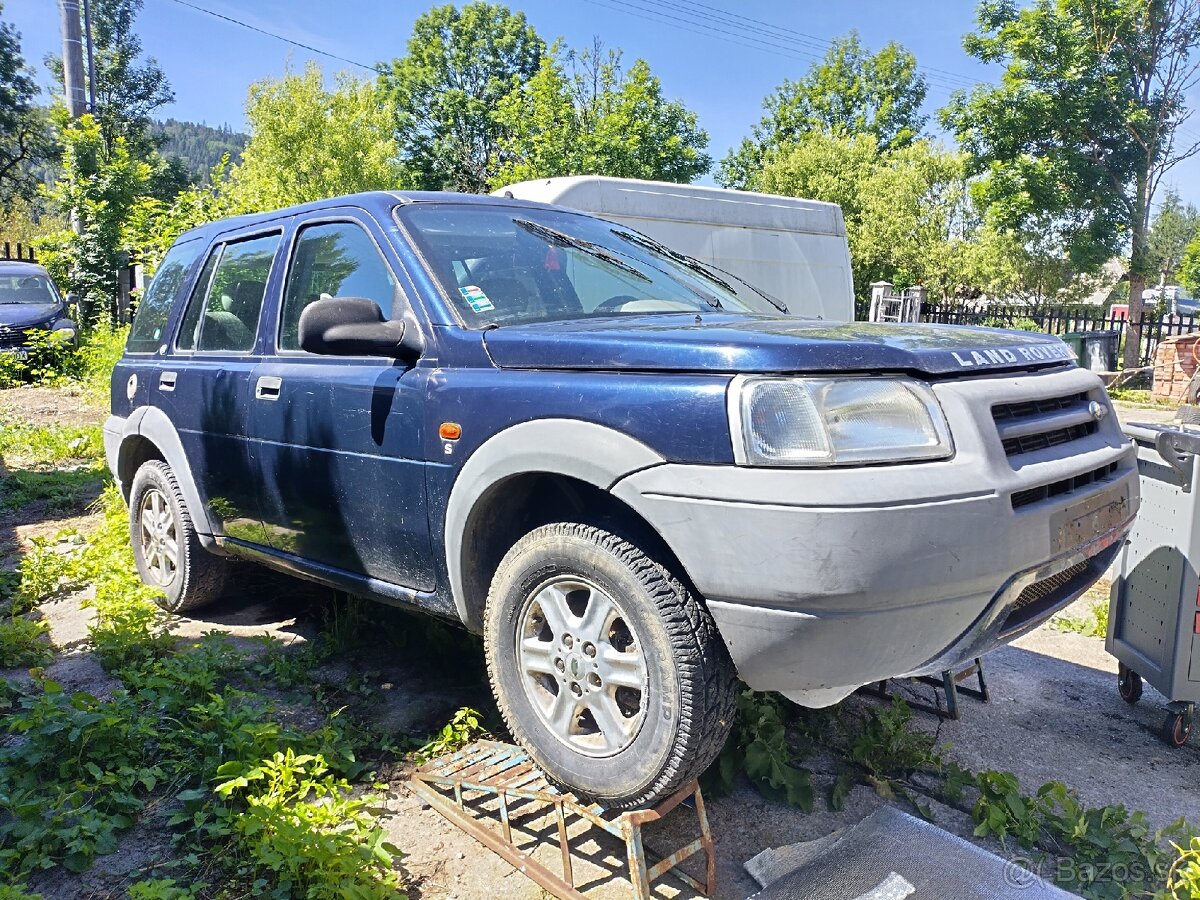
(823, 580)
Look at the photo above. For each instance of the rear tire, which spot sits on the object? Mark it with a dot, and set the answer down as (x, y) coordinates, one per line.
(605, 668)
(166, 548)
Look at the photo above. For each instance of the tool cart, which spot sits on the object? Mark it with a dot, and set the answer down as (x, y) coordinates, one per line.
(1154, 608)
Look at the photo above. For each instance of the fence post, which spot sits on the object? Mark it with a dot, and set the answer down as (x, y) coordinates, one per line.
(879, 290)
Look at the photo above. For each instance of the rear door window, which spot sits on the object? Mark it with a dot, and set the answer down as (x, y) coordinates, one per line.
(146, 333)
(226, 304)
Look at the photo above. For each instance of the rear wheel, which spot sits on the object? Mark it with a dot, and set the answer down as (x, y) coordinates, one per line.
(166, 548)
(605, 667)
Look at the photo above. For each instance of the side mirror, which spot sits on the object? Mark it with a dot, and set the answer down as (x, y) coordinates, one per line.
(72, 302)
(353, 326)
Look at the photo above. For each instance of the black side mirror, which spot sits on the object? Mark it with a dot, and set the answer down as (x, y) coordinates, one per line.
(353, 326)
(71, 301)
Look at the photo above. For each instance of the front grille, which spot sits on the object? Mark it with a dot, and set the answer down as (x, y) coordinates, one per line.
(1043, 597)
(11, 336)
(1031, 425)
(1065, 486)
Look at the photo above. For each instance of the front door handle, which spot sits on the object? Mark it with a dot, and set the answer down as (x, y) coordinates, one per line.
(267, 388)
(166, 381)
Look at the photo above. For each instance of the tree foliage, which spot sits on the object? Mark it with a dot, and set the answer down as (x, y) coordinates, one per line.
(200, 147)
(583, 114)
(851, 92)
(98, 185)
(308, 142)
(1074, 140)
(1189, 267)
(460, 64)
(128, 90)
(22, 124)
(1173, 229)
(910, 218)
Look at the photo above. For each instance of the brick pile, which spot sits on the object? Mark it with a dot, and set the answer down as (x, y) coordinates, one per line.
(1175, 363)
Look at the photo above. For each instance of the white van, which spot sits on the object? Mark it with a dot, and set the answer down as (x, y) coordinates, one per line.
(793, 249)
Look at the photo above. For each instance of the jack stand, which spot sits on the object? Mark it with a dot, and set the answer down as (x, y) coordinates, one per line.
(504, 777)
(950, 682)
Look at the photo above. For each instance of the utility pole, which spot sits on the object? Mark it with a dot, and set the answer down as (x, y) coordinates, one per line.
(91, 62)
(76, 97)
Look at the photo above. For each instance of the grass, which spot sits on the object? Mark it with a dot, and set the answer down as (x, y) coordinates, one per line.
(1095, 622)
(259, 806)
(1141, 398)
(191, 740)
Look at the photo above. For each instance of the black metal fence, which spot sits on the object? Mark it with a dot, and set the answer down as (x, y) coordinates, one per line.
(1062, 319)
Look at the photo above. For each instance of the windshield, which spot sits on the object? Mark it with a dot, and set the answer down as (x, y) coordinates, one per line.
(510, 265)
(26, 289)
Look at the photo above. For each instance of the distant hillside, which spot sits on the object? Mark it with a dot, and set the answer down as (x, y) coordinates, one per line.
(199, 146)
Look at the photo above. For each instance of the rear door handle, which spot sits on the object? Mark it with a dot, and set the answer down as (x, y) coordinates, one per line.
(166, 381)
(267, 388)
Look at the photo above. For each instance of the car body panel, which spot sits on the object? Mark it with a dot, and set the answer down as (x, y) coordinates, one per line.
(741, 343)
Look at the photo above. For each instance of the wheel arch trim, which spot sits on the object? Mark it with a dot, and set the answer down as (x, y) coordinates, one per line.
(583, 450)
(152, 424)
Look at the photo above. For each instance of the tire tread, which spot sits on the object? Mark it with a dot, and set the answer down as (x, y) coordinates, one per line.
(701, 658)
(205, 576)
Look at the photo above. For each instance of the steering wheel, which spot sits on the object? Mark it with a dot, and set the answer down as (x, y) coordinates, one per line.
(617, 300)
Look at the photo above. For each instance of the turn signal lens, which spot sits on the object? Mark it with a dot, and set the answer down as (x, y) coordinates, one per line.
(450, 431)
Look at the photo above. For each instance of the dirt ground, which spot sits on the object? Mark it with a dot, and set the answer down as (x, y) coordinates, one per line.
(1054, 715)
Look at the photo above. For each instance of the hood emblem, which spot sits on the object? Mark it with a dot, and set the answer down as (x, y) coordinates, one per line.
(1097, 410)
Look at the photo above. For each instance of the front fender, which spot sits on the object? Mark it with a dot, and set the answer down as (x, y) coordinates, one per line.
(593, 453)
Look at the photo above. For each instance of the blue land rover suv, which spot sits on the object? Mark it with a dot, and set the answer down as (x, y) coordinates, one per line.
(638, 477)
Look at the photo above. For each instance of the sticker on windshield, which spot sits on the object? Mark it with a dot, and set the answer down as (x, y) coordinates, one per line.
(477, 298)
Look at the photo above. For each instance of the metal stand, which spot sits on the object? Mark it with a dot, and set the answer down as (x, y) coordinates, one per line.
(950, 682)
(506, 773)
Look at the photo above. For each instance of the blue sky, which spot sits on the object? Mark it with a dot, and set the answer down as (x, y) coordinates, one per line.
(721, 76)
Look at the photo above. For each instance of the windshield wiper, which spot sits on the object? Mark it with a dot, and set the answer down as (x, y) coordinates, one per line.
(695, 265)
(562, 239)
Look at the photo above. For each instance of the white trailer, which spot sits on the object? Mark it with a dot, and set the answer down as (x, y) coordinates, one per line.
(793, 249)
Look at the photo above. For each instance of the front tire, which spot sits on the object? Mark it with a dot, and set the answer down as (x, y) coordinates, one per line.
(605, 668)
(166, 548)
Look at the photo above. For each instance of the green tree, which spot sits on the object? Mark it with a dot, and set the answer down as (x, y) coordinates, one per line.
(22, 125)
(461, 63)
(905, 209)
(128, 90)
(1174, 228)
(852, 91)
(1075, 139)
(308, 142)
(1189, 267)
(99, 186)
(582, 114)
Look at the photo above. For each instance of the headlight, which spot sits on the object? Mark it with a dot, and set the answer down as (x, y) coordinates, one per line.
(835, 421)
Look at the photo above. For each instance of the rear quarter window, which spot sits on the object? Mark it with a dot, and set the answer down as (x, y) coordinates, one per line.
(146, 334)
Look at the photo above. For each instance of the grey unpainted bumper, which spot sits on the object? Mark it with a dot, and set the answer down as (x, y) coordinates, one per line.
(823, 580)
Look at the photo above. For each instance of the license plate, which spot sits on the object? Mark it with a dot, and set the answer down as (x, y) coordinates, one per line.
(19, 352)
(1084, 522)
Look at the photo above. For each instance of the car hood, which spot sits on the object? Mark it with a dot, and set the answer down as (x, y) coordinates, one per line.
(22, 315)
(738, 343)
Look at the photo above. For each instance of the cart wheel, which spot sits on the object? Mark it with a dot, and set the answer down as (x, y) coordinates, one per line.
(1177, 728)
(1129, 684)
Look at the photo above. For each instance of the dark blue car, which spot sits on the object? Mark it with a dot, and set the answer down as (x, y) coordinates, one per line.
(29, 301)
(637, 477)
